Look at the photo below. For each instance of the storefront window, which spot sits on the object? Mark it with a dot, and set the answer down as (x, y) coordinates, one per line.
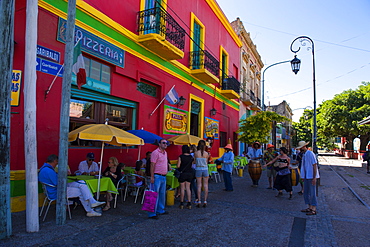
(116, 114)
(84, 112)
(81, 109)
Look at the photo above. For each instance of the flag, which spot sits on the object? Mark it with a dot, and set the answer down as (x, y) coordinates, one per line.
(78, 66)
(172, 96)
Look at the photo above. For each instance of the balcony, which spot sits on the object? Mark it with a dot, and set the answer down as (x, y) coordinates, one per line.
(160, 33)
(248, 98)
(257, 104)
(231, 88)
(204, 66)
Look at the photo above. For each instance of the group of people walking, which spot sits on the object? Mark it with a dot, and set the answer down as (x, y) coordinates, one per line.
(279, 168)
(193, 162)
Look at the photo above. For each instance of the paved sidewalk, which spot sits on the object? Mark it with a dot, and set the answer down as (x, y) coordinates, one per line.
(245, 217)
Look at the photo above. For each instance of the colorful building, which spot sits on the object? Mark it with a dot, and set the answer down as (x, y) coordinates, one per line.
(250, 74)
(134, 52)
(282, 132)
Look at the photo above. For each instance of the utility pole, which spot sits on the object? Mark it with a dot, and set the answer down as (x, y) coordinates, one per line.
(6, 64)
(64, 115)
(30, 140)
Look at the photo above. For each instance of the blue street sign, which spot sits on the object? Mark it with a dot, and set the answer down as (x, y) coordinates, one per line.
(48, 67)
(48, 54)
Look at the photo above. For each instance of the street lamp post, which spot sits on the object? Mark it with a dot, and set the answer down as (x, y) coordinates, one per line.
(295, 67)
(263, 82)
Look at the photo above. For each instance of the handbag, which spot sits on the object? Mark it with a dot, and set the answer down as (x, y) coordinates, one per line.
(177, 173)
(150, 201)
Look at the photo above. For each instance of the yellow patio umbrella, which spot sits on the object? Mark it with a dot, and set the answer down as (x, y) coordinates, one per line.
(106, 134)
(185, 140)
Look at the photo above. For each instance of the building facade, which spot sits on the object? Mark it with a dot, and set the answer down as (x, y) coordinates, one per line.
(134, 53)
(282, 132)
(250, 76)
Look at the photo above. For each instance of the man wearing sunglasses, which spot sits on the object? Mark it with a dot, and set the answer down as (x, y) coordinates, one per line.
(88, 166)
(159, 167)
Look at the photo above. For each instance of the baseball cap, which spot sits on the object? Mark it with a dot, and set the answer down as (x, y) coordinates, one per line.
(90, 156)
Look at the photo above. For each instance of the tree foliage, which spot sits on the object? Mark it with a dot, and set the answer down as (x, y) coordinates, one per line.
(303, 129)
(258, 127)
(340, 115)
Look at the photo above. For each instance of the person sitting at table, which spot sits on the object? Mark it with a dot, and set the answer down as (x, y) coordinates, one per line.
(139, 171)
(184, 165)
(146, 163)
(47, 175)
(114, 172)
(227, 160)
(88, 166)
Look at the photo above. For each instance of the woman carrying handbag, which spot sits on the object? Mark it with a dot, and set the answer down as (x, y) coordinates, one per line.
(184, 164)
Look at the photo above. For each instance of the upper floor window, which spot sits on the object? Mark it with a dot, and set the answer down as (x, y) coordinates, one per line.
(224, 63)
(97, 70)
(197, 43)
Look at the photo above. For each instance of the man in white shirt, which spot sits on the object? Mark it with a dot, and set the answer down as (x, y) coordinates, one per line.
(88, 166)
(309, 175)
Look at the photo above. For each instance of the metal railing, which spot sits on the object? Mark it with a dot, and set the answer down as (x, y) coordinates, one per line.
(159, 21)
(231, 83)
(251, 95)
(203, 59)
(259, 102)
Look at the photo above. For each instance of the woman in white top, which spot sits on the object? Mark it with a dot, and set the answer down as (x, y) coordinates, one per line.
(201, 172)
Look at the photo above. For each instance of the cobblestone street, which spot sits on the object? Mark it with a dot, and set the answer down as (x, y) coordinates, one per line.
(245, 217)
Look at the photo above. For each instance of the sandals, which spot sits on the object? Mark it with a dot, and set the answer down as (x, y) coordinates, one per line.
(312, 212)
(306, 210)
(106, 208)
(197, 203)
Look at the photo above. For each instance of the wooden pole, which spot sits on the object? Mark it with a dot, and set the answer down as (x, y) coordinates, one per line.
(30, 140)
(6, 63)
(64, 115)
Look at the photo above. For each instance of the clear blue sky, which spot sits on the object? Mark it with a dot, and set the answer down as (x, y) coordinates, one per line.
(341, 34)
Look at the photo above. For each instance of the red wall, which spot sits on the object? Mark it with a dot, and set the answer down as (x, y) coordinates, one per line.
(123, 84)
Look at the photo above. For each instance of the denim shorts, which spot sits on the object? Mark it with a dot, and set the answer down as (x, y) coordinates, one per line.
(201, 173)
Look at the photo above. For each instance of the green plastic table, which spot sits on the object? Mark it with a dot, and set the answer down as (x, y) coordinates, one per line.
(171, 180)
(240, 161)
(128, 170)
(106, 183)
(212, 168)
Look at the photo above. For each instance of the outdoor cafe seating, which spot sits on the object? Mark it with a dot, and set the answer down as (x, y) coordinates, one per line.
(49, 201)
(136, 187)
(212, 171)
(120, 188)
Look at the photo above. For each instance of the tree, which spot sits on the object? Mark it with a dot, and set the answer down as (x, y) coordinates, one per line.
(340, 115)
(303, 129)
(258, 127)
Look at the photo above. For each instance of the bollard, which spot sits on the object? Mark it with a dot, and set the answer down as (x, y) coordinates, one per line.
(240, 172)
(170, 197)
